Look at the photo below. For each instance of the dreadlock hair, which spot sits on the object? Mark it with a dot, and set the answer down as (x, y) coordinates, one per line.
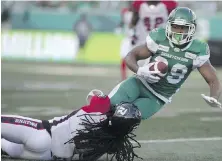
(99, 138)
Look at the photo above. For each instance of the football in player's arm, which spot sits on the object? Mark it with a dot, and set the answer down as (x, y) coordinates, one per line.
(138, 97)
(176, 46)
(146, 16)
(193, 49)
(206, 70)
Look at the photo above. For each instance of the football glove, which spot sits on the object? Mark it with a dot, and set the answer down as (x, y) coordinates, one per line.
(211, 101)
(93, 93)
(147, 74)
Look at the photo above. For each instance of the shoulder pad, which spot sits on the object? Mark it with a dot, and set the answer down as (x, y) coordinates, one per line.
(202, 51)
(154, 38)
(158, 35)
(200, 48)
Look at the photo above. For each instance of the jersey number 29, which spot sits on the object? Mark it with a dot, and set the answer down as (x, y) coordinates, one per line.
(177, 71)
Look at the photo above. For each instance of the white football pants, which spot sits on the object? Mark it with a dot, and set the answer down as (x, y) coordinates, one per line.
(24, 137)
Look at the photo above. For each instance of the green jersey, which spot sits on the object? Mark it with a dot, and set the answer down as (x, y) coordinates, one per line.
(180, 62)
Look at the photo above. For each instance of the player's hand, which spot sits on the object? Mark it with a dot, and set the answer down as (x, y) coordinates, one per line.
(211, 101)
(94, 92)
(147, 74)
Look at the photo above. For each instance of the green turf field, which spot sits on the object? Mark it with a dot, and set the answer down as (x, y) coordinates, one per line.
(185, 130)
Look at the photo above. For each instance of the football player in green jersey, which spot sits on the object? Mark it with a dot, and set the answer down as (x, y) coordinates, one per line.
(176, 46)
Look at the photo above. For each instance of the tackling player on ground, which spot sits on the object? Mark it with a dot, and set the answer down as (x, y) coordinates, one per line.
(89, 132)
(176, 46)
(140, 96)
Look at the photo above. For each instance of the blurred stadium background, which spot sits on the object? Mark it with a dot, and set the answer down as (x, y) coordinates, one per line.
(45, 74)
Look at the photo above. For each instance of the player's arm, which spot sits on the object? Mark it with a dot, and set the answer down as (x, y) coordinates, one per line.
(209, 74)
(143, 52)
(138, 53)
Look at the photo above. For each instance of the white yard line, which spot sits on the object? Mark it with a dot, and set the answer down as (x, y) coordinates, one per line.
(44, 85)
(66, 71)
(211, 119)
(180, 140)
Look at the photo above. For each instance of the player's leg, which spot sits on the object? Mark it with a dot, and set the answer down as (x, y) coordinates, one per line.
(147, 102)
(26, 131)
(12, 149)
(148, 106)
(19, 151)
(17, 129)
(132, 90)
(126, 91)
(44, 155)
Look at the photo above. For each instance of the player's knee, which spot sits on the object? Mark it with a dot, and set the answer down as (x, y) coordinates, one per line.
(12, 149)
(16, 151)
(39, 143)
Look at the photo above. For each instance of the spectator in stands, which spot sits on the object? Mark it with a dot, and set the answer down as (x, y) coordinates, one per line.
(6, 9)
(82, 29)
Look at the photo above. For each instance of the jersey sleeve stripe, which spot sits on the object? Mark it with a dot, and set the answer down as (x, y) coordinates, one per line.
(151, 45)
(200, 60)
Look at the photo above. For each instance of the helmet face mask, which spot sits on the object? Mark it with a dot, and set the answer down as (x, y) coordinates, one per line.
(181, 18)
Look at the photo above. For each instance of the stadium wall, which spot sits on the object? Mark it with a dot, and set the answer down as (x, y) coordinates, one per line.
(37, 18)
(103, 46)
(57, 46)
